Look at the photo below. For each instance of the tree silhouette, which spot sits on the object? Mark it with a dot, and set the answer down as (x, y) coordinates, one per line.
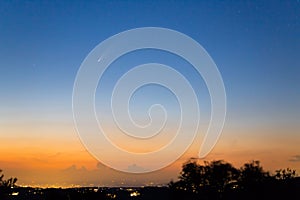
(285, 174)
(253, 173)
(6, 185)
(285, 184)
(253, 180)
(219, 175)
(220, 180)
(191, 176)
(208, 181)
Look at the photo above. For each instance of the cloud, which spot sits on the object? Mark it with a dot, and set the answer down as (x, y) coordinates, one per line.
(295, 158)
(101, 166)
(136, 169)
(131, 168)
(74, 169)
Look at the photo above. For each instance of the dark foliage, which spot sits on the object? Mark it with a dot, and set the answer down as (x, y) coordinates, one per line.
(6, 185)
(220, 180)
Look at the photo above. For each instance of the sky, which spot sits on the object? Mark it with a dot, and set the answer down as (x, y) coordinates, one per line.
(255, 45)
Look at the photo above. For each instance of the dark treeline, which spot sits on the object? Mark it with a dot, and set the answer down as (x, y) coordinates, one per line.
(221, 180)
(215, 180)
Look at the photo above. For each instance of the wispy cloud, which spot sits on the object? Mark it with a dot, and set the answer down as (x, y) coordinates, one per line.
(295, 158)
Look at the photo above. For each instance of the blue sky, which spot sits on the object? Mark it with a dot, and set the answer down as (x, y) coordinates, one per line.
(255, 44)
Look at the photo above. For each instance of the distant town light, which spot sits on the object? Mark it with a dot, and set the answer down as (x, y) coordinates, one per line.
(134, 194)
(15, 193)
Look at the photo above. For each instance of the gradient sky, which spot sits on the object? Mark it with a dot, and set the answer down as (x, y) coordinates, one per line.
(255, 44)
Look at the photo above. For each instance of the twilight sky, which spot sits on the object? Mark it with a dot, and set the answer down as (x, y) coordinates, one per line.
(255, 44)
